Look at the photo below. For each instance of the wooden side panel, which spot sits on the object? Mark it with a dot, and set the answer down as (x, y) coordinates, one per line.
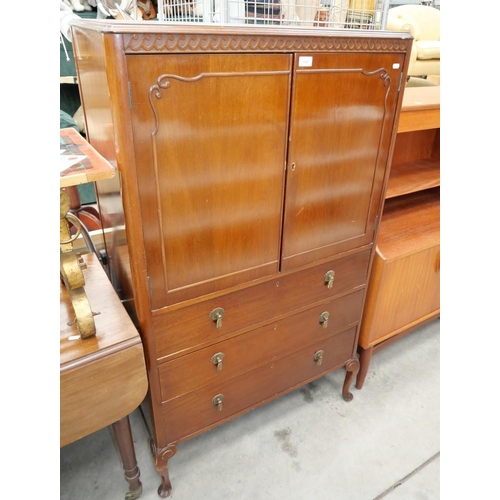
(92, 66)
(210, 135)
(339, 147)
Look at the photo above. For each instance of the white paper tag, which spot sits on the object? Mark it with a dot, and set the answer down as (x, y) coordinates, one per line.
(305, 61)
(395, 66)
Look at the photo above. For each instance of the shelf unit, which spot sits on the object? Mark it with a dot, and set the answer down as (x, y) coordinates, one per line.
(404, 286)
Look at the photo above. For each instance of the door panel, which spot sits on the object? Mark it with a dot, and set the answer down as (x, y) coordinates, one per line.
(210, 133)
(341, 124)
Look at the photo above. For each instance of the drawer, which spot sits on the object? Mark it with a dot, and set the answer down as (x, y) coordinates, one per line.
(256, 347)
(195, 412)
(188, 328)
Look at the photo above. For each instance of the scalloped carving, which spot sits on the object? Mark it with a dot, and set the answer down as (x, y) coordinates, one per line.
(160, 43)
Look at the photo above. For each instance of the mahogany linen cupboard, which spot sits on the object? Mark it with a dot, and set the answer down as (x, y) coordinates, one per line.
(252, 163)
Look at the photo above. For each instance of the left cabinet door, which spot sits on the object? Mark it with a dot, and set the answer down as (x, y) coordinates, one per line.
(210, 143)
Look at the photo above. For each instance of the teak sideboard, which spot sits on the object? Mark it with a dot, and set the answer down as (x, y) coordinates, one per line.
(404, 286)
(252, 163)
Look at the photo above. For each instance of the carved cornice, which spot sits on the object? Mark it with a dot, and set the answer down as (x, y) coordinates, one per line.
(213, 42)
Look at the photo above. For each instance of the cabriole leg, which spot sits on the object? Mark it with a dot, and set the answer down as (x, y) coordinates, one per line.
(161, 457)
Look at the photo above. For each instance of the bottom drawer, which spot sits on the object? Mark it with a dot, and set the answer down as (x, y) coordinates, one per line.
(196, 411)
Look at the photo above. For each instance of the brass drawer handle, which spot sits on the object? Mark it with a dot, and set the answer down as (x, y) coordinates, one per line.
(323, 318)
(329, 277)
(216, 315)
(217, 360)
(217, 401)
(318, 357)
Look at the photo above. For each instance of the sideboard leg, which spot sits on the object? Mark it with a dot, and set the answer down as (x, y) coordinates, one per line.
(364, 361)
(161, 457)
(352, 368)
(125, 444)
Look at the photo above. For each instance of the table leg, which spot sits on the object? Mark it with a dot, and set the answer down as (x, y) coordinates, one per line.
(125, 443)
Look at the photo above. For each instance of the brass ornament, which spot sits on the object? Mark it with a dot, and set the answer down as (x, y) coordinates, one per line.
(71, 266)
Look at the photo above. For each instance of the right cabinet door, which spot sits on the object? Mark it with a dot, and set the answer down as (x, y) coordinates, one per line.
(342, 118)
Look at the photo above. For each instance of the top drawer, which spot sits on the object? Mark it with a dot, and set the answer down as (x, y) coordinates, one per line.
(184, 329)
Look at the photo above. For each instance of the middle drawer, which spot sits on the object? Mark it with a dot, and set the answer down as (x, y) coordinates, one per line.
(232, 357)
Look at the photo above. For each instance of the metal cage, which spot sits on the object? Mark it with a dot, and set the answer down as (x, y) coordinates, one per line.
(338, 14)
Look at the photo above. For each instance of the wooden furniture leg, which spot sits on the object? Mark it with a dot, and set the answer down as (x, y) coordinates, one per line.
(87, 214)
(161, 457)
(125, 443)
(352, 368)
(365, 356)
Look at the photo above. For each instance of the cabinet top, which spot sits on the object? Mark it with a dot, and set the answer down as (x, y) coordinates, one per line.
(165, 37)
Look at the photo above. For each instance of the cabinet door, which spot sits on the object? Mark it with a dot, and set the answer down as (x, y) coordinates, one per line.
(210, 136)
(343, 110)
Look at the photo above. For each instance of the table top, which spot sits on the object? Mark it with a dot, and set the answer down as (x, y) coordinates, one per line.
(420, 109)
(80, 162)
(102, 378)
(415, 98)
(114, 328)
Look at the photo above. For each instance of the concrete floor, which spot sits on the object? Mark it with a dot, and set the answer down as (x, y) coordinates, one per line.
(309, 444)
